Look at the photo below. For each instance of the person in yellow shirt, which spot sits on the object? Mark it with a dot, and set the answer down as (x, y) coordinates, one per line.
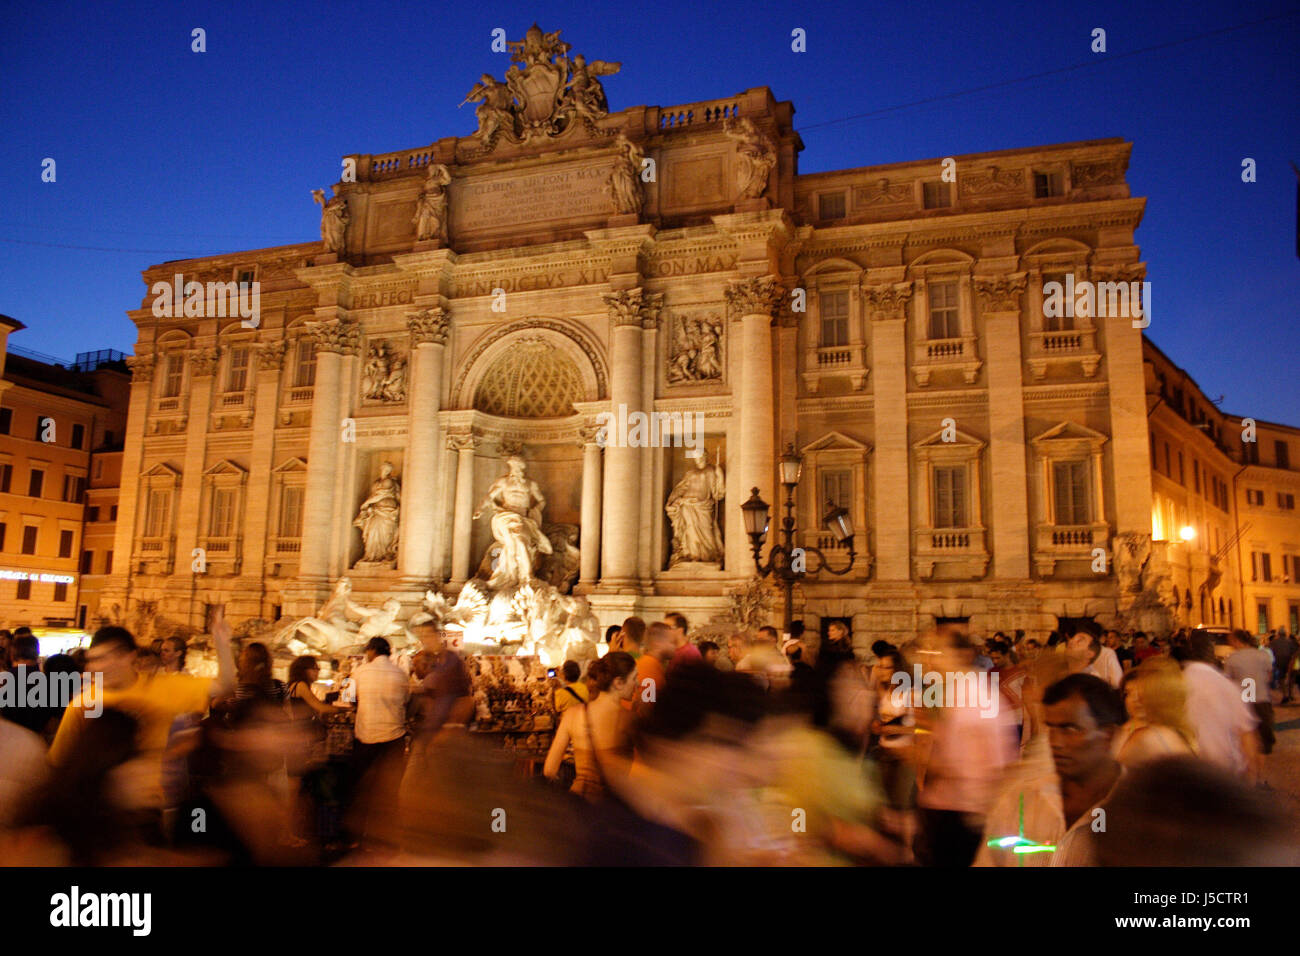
(154, 700)
(573, 690)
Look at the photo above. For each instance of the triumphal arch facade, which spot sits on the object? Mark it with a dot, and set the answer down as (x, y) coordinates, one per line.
(604, 294)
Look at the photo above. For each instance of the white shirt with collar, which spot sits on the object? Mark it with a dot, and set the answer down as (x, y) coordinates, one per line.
(1107, 667)
(1218, 715)
(382, 689)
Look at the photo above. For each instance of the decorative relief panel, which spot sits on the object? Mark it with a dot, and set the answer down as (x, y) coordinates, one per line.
(695, 349)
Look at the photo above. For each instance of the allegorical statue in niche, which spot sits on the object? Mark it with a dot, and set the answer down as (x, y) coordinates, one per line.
(692, 508)
(384, 377)
(517, 505)
(431, 211)
(334, 219)
(757, 156)
(624, 183)
(496, 109)
(378, 519)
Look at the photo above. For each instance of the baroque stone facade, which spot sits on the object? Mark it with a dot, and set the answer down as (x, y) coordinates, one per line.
(885, 322)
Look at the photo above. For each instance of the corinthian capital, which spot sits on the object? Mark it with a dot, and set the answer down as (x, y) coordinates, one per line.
(270, 355)
(1000, 293)
(429, 325)
(462, 441)
(888, 300)
(634, 307)
(758, 296)
(141, 367)
(335, 335)
(203, 361)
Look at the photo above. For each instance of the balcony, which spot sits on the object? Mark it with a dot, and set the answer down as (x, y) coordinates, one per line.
(932, 355)
(846, 361)
(233, 400)
(223, 554)
(956, 553)
(1066, 347)
(1057, 542)
(155, 554)
(286, 545)
(299, 395)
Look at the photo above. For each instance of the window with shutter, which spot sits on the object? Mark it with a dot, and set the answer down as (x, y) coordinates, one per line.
(156, 519)
(223, 513)
(835, 319)
(175, 367)
(291, 513)
(237, 370)
(1071, 492)
(304, 374)
(943, 311)
(950, 497)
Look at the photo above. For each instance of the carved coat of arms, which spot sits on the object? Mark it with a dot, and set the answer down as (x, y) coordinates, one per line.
(544, 92)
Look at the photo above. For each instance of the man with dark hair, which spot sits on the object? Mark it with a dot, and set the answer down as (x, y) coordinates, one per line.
(572, 690)
(687, 652)
(1284, 649)
(709, 653)
(382, 690)
(154, 701)
(25, 664)
(1059, 806)
(1089, 656)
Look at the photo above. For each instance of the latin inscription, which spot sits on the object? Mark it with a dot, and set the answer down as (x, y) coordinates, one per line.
(574, 193)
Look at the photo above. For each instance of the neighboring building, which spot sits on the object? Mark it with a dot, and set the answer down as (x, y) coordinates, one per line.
(885, 321)
(1224, 521)
(57, 423)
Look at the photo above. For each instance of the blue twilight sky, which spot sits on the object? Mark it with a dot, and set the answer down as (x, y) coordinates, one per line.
(164, 153)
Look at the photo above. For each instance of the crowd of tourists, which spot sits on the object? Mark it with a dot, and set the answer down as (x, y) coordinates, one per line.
(766, 748)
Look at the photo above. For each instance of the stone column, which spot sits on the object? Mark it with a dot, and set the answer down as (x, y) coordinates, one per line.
(260, 523)
(420, 478)
(1000, 299)
(755, 301)
(333, 337)
(622, 498)
(463, 527)
(887, 307)
(1130, 449)
(190, 522)
(591, 488)
(129, 504)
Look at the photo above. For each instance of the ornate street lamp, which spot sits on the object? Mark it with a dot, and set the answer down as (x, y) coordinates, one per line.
(781, 562)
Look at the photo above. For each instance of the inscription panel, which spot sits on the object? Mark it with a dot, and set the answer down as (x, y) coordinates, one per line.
(498, 203)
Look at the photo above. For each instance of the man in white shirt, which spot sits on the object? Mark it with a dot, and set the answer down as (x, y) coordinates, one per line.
(1088, 656)
(379, 757)
(1224, 725)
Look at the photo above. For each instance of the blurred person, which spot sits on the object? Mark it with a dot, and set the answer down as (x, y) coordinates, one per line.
(147, 661)
(983, 661)
(378, 756)
(960, 759)
(764, 663)
(572, 690)
(1250, 667)
(737, 648)
(173, 654)
(255, 681)
(1082, 714)
(600, 731)
(609, 634)
(1087, 655)
(1142, 648)
(312, 782)
(1224, 724)
(154, 702)
(803, 681)
(686, 652)
(709, 652)
(1155, 697)
(1180, 811)
(836, 650)
(23, 768)
(60, 670)
(6, 637)
(660, 646)
(631, 637)
(25, 672)
(1011, 679)
(1284, 649)
(446, 687)
(892, 733)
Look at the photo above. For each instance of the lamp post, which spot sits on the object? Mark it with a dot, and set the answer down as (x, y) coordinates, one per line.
(781, 562)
